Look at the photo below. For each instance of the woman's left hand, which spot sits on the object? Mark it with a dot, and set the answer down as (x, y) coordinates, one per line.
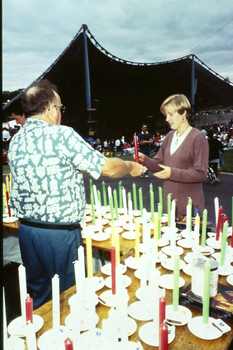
(163, 174)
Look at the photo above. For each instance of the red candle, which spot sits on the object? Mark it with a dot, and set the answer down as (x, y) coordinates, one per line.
(68, 344)
(218, 223)
(7, 199)
(135, 141)
(29, 308)
(163, 336)
(162, 307)
(113, 266)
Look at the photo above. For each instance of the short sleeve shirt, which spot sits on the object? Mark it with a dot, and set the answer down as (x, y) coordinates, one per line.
(46, 164)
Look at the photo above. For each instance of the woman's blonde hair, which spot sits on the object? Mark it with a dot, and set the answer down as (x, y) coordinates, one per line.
(176, 103)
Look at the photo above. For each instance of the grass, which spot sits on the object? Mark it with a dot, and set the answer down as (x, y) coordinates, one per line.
(227, 159)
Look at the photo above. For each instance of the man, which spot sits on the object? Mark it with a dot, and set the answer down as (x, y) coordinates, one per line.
(145, 140)
(47, 160)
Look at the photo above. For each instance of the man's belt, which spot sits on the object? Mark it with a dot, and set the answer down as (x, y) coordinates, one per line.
(50, 226)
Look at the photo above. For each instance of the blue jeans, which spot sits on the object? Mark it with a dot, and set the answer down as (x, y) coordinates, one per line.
(47, 252)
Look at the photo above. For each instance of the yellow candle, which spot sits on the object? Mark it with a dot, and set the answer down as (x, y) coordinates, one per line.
(89, 257)
(11, 183)
(197, 223)
(137, 240)
(113, 233)
(7, 185)
(156, 225)
(117, 246)
(4, 194)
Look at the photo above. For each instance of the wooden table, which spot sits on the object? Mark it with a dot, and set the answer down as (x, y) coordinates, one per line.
(184, 339)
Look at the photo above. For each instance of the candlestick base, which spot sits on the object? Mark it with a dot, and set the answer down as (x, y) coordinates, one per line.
(228, 257)
(206, 250)
(128, 227)
(84, 323)
(141, 310)
(168, 230)
(107, 269)
(167, 281)
(99, 237)
(108, 230)
(188, 234)
(98, 283)
(140, 273)
(213, 243)
(225, 269)
(230, 279)
(130, 325)
(172, 251)
(136, 213)
(74, 300)
(188, 269)
(204, 331)
(172, 235)
(125, 281)
(130, 235)
(169, 264)
(186, 243)
(14, 343)
(149, 334)
(178, 318)
(10, 219)
(17, 327)
(120, 222)
(54, 340)
(140, 293)
(108, 299)
(132, 263)
(162, 242)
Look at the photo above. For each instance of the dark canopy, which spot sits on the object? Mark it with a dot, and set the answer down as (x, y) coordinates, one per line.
(125, 94)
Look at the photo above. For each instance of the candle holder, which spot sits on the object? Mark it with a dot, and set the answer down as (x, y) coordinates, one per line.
(178, 318)
(125, 281)
(149, 333)
(84, 322)
(169, 264)
(226, 269)
(141, 310)
(132, 263)
(162, 242)
(54, 340)
(204, 331)
(107, 269)
(17, 327)
(14, 343)
(168, 250)
(167, 281)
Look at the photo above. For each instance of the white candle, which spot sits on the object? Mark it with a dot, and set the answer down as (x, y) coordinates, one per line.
(56, 305)
(188, 218)
(23, 291)
(31, 337)
(81, 260)
(124, 201)
(109, 193)
(216, 209)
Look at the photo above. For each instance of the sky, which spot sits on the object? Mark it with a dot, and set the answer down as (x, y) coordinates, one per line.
(34, 33)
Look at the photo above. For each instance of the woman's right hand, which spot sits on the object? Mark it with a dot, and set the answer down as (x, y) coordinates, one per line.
(141, 157)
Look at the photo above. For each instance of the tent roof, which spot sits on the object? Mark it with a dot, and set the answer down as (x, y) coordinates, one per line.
(126, 93)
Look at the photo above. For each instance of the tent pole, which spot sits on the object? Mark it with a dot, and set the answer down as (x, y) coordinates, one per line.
(87, 78)
(192, 89)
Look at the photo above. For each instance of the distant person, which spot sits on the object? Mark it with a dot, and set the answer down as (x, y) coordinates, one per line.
(215, 147)
(47, 161)
(145, 141)
(16, 112)
(118, 145)
(182, 160)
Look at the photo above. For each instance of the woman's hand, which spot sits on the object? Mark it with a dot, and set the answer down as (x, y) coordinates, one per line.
(163, 174)
(141, 157)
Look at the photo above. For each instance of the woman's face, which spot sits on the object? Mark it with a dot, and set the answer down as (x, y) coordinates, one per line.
(174, 119)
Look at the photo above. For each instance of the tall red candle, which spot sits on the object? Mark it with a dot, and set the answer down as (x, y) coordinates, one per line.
(68, 344)
(218, 223)
(113, 267)
(7, 199)
(29, 309)
(163, 336)
(162, 307)
(135, 141)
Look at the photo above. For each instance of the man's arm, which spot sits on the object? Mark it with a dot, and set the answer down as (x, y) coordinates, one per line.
(115, 168)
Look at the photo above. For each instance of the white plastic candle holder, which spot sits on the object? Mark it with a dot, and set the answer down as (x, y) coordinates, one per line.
(149, 334)
(52, 340)
(178, 318)
(204, 331)
(17, 327)
(14, 343)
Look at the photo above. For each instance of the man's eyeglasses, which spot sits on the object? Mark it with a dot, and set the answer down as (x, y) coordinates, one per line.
(62, 108)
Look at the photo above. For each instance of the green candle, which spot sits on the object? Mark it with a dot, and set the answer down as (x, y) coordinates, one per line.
(224, 242)
(92, 209)
(161, 199)
(135, 206)
(116, 204)
(104, 194)
(206, 294)
(204, 224)
(140, 201)
(120, 195)
(91, 186)
(159, 221)
(169, 209)
(176, 275)
(191, 212)
(151, 188)
(111, 208)
(152, 209)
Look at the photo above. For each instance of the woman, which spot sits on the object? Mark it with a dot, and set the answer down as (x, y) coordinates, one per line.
(182, 160)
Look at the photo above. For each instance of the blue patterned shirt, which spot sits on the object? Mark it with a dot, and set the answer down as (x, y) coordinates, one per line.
(46, 164)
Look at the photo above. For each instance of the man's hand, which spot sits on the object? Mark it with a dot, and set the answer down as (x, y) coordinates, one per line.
(163, 174)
